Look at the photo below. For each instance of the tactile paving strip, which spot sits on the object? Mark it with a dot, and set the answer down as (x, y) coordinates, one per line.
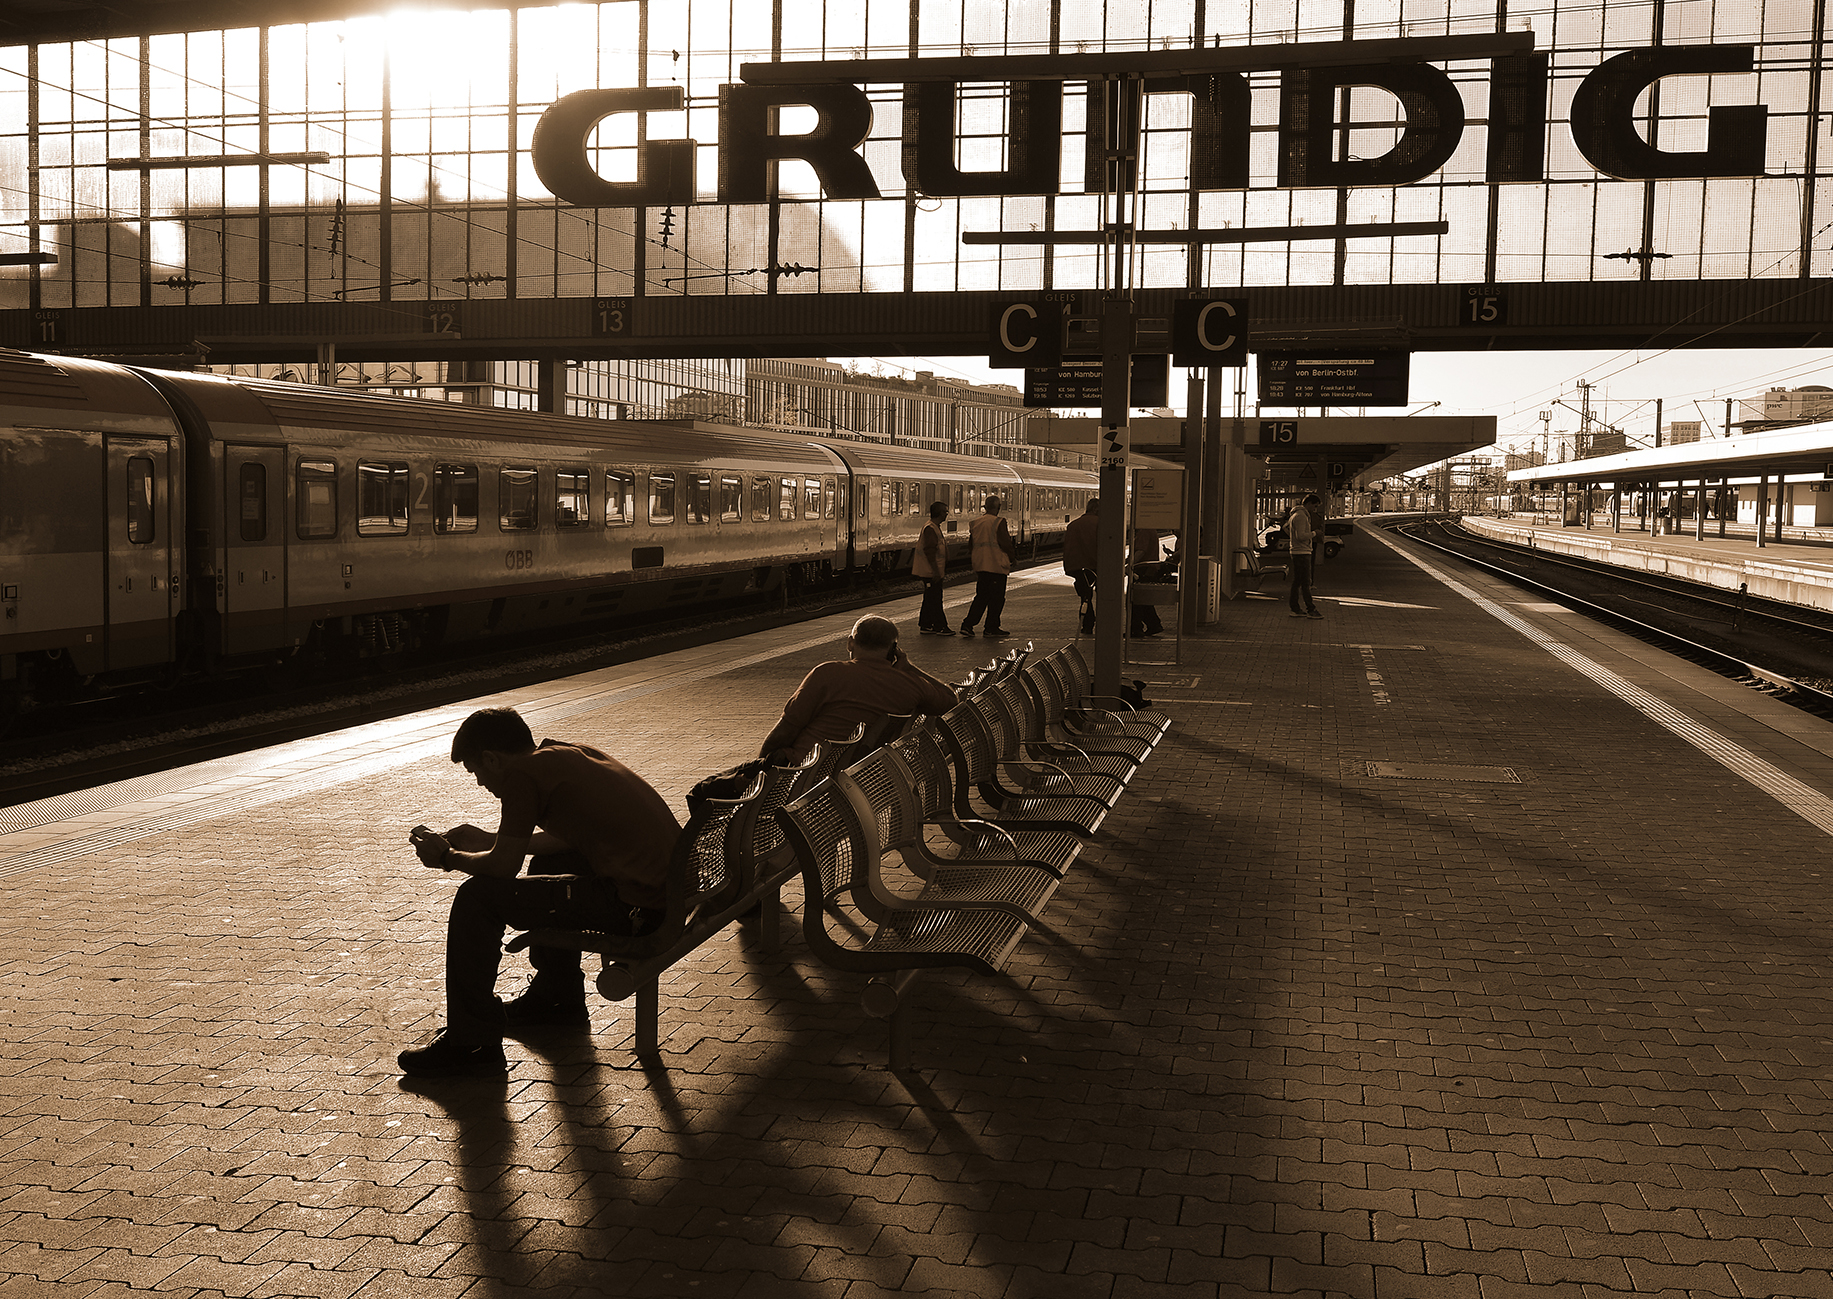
(1443, 771)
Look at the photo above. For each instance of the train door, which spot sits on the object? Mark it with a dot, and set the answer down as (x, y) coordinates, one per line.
(142, 567)
(254, 532)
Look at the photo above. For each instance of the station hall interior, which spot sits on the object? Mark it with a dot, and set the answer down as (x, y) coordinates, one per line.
(1401, 920)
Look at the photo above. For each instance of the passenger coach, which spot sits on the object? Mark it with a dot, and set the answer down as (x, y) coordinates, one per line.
(152, 520)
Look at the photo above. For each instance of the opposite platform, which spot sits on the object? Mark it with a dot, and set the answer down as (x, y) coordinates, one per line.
(1447, 946)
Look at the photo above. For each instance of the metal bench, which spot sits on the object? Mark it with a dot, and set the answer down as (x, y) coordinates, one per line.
(1255, 569)
(703, 898)
(1020, 730)
(925, 757)
(978, 764)
(1048, 690)
(834, 842)
(1080, 699)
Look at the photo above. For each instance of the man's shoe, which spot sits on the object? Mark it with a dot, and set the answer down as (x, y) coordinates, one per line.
(1296, 614)
(941, 631)
(1314, 614)
(996, 633)
(446, 1057)
(966, 630)
(531, 1011)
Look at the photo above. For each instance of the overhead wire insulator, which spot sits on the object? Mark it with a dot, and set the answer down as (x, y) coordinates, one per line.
(668, 224)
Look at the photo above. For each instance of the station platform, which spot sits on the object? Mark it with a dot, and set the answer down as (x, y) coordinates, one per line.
(1449, 946)
(1796, 570)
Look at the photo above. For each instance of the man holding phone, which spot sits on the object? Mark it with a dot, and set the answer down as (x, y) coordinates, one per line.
(874, 680)
(600, 838)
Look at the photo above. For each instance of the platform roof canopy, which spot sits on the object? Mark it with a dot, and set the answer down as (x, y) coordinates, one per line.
(1343, 450)
(1805, 452)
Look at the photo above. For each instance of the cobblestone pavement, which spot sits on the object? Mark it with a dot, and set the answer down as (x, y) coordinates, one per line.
(1294, 1026)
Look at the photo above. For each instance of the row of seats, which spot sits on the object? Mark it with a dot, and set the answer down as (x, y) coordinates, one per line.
(986, 807)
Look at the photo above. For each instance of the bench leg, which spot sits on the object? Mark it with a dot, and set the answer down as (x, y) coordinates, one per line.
(648, 1017)
(770, 922)
(898, 1053)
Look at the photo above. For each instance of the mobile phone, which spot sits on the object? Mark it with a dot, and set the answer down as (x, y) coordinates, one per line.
(420, 832)
(891, 654)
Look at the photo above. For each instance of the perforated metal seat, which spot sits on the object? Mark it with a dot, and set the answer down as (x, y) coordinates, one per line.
(1095, 712)
(882, 784)
(834, 843)
(1046, 690)
(925, 757)
(1023, 722)
(974, 756)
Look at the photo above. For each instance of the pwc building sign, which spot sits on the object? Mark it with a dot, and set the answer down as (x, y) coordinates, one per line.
(1427, 121)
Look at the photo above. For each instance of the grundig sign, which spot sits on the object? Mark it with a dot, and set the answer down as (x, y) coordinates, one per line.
(1432, 118)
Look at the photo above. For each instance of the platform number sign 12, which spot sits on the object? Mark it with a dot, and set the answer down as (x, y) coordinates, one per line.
(442, 318)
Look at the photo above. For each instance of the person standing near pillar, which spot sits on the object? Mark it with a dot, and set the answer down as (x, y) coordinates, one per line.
(1301, 538)
(1079, 558)
(991, 550)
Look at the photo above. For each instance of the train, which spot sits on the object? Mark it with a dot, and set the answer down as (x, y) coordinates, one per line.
(156, 524)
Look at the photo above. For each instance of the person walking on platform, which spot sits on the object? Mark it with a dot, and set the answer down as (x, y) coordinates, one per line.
(872, 682)
(601, 838)
(930, 564)
(1080, 558)
(991, 550)
(1301, 539)
(1146, 567)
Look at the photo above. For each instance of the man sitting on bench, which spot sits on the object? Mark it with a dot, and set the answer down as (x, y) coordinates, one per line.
(601, 838)
(874, 680)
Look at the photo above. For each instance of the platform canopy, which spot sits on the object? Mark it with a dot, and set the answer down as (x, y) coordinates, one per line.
(1342, 451)
(1802, 452)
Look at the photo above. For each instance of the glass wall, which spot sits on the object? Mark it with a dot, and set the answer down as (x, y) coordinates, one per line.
(388, 158)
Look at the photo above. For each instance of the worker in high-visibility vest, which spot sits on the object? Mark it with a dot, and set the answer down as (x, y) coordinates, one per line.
(991, 551)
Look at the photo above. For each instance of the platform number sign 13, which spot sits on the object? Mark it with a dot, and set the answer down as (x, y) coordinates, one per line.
(610, 317)
(1484, 305)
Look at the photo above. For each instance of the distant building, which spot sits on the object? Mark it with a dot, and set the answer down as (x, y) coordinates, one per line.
(1516, 460)
(1781, 407)
(1681, 430)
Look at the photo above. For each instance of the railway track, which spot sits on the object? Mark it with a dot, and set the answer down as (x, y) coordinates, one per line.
(1781, 650)
(106, 740)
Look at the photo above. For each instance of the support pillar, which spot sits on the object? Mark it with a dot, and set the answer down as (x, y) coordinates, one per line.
(550, 386)
(1111, 611)
(1762, 508)
(1699, 512)
(1193, 574)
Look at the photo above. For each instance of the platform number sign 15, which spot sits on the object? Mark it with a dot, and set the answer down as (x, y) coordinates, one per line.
(1484, 305)
(610, 317)
(1278, 432)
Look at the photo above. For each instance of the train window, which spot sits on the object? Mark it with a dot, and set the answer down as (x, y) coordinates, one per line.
(786, 499)
(731, 498)
(620, 497)
(699, 502)
(140, 499)
(251, 489)
(887, 504)
(515, 498)
(762, 490)
(811, 498)
(454, 498)
(661, 498)
(315, 489)
(572, 498)
(827, 498)
(381, 499)
(957, 506)
(862, 497)
(916, 498)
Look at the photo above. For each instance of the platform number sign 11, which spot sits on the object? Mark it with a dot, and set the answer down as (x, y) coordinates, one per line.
(47, 329)
(1484, 305)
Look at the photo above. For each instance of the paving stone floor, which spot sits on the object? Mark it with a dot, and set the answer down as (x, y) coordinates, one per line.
(1292, 1026)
